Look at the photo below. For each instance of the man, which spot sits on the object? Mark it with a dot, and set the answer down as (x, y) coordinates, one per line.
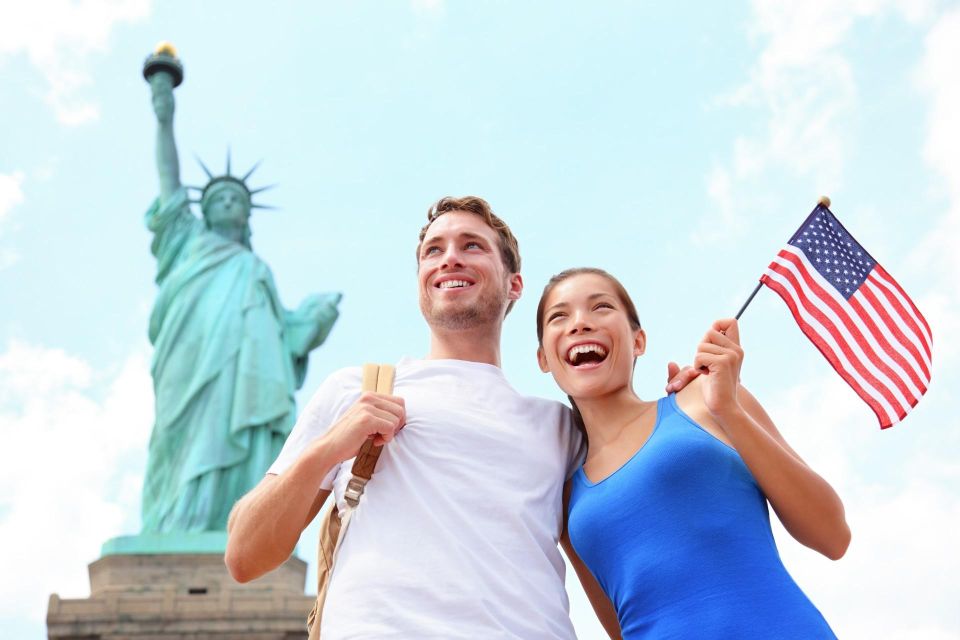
(456, 535)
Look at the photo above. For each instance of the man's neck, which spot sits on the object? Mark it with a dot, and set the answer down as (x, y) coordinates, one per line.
(481, 344)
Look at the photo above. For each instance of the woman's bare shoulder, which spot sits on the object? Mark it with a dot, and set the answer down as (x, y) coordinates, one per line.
(690, 401)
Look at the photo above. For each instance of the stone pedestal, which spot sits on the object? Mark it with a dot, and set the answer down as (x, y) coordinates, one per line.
(182, 597)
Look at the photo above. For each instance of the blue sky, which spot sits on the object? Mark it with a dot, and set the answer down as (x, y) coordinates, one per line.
(676, 146)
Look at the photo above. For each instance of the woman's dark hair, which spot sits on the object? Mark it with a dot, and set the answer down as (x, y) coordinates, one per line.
(631, 309)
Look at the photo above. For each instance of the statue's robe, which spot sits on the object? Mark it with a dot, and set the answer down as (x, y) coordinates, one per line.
(224, 375)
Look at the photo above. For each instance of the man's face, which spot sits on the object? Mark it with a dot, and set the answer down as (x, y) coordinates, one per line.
(463, 283)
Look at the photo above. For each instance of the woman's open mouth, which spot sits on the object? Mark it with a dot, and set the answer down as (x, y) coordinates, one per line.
(586, 355)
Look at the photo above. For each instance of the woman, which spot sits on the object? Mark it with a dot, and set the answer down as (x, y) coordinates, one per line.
(667, 524)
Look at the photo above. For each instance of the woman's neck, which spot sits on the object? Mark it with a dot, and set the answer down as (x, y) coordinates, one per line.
(605, 417)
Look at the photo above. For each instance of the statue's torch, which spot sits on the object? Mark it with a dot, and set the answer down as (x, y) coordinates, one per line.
(164, 58)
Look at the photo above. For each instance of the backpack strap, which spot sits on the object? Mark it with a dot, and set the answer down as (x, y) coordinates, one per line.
(378, 378)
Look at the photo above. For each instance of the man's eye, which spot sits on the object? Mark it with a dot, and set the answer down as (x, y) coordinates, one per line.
(430, 250)
(473, 245)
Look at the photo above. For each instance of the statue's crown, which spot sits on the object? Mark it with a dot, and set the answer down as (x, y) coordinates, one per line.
(232, 181)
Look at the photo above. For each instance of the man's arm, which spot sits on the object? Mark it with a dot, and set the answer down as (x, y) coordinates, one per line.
(265, 524)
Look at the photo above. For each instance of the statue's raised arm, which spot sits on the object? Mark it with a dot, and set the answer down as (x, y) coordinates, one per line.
(163, 72)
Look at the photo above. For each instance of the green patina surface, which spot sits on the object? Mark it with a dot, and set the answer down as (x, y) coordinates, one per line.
(161, 543)
(227, 359)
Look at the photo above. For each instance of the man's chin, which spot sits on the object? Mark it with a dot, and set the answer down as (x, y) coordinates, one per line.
(459, 318)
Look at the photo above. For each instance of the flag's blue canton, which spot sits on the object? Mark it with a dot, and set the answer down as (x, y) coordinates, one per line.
(833, 252)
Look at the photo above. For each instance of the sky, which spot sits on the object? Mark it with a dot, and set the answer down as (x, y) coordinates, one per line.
(676, 146)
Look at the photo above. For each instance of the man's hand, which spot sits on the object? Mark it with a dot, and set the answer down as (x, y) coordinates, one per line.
(678, 378)
(374, 415)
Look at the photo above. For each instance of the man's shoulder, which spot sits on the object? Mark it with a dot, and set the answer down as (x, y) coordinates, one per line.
(346, 375)
(546, 403)
(547, 409)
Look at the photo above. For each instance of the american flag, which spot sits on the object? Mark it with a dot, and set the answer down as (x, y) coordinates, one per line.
(856, 314)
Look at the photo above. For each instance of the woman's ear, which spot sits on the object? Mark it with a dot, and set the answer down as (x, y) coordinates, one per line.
(639, 342)
(542, 360)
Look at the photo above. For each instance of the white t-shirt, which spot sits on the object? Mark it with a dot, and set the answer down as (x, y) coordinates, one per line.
(456, 534)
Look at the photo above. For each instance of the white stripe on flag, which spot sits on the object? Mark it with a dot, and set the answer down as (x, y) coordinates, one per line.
(826, 336)
(894, 288)
(886, 383)
(877, 287)
(867, 335)
(893, 340)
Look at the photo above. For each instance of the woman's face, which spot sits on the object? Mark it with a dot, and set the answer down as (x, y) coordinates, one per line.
(588, 343)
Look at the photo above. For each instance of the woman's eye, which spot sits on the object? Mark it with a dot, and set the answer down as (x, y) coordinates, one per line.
(603, 305)
(555, 316)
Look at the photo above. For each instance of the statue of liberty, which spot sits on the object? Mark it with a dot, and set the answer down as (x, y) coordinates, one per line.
(228, 357)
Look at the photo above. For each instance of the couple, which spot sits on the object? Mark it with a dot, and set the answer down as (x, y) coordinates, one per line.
(664, 514)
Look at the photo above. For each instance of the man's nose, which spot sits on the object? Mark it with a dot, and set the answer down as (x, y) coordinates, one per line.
(452, 257)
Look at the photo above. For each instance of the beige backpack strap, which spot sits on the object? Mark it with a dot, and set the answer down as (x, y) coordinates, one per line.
(377, 378)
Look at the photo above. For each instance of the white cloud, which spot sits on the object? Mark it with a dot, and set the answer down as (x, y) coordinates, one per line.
(71, 465)
(937, 74)
(900, 490)
(11, 195)
(803, 88)
(58, 38)
(901, 487)
(10, 192)
(935, 261)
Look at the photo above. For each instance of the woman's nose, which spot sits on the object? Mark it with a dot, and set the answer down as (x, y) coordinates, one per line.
(580, 324)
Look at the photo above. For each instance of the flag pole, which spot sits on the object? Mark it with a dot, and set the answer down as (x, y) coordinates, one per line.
(749, 300)
(825, 201)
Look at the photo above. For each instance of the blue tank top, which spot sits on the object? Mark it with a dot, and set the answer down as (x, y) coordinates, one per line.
(679, 539)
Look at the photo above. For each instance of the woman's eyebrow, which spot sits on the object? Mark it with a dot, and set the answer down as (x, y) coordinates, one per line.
(594, 296)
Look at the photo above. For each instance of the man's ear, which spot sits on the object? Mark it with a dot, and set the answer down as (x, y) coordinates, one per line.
(639, 342)
(542, 360)
(516, 287)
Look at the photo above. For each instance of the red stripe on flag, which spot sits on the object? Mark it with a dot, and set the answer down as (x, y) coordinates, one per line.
(894, 328)
(884, 341)
(814, 336)
(886, 276)
(842, 312)
(816, 311)
(905, 317)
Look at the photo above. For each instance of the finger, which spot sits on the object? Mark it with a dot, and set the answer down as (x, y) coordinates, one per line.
(716, 337)
(715, 349)
(393, 404)
(672, 370)
(682, 378)
(706, 361)
(380, 421)
(729, 327)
